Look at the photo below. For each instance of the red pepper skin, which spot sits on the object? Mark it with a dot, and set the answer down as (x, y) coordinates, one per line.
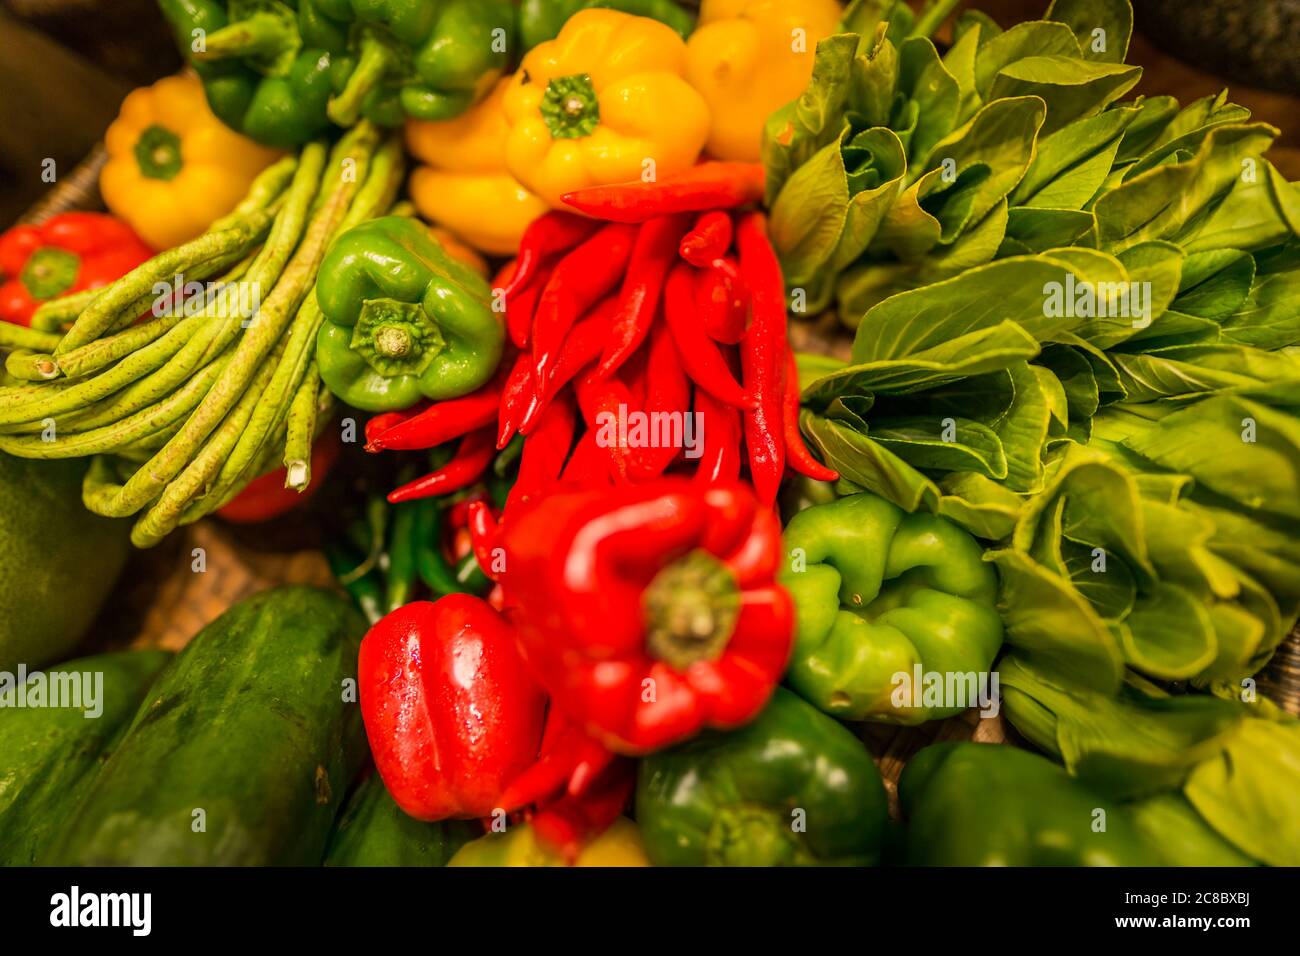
(266, 497)
(519, 399)
(578, 564)
(580, 280)
(482, 525)
(600, 400)
(569, 761)
(542, 461)
(709, 238)
(450, 710)
(798, 457)
(545, 236)
(440, 422)
(700, 355)
(720, 463)
(707, 186)
(580, 349)
(472, 458)
(762, 355)
(69, 252)
(572, 821)
(722, 301)
(652, 257)
(667, 390)
(521, 306)
(376, 425)
(589, 463)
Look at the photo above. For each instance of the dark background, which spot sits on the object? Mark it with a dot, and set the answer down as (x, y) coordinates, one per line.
(65, 66)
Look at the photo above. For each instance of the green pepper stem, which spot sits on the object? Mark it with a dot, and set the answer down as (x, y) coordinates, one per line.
(158, 153)
(374, 62)
(261, 35)
(49, 271)
(751, 836)
(691, 607)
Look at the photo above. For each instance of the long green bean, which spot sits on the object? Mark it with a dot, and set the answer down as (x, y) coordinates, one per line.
(20, 337)
(299, 431)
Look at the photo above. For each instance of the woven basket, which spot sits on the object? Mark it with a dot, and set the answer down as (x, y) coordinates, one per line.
(163, 601)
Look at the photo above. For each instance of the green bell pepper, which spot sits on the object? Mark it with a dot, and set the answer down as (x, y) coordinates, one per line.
(793, 788)
(260, 77)
(428, 59)
(281, 70)
(403, 320)
(891, 608)
(970, 804)
(541, 20)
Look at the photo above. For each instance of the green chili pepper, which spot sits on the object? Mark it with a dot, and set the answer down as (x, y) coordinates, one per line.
(792, 788)
(541, 20)
(433, 568)
(403, 320)
(401, 558)
(973, 804)
(364, 588)
(889, 605)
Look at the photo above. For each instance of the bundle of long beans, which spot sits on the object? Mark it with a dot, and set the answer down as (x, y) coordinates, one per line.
(182, 410)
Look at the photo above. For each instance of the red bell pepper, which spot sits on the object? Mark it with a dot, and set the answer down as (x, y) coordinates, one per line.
(649, 612)
(67, 253)
(451, 712)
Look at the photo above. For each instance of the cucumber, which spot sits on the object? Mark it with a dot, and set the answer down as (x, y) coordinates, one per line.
(373, 831)
(58, 562)
(242, 751)
(50, 755)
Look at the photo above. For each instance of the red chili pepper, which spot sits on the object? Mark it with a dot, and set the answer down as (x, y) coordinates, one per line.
(700, 355)
(589, 463)
(649, 612)
(605, 403)
(580, 280)
(519, 398)
(482, 525)
(267, 497)
(762, 355)
(449, 707)
(709, 238)
(711, 185)
(797, 454)
(542, 461)
(569, 761)
(378, 424)
(472, 459)
(580, 349)
(652, 257)
(458, 516)
(440, 422)
(722, 301)
(667, 409)
(720, 424)
(521, 306)
(545, 236)
(67, 253)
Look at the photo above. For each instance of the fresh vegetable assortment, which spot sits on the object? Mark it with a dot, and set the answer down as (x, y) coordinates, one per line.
(635, 571)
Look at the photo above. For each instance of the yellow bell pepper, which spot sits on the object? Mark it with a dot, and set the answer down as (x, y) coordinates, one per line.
(173, 168)
(605, 102)
(749, 58)
(620, 845)
(465, 187)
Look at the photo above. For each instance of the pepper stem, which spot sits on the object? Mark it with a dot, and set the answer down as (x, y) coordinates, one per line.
(570, 107)
(691, 607)
(751, 836)
(158, 153)
(268, 39)
(373, 64)
(49, 271)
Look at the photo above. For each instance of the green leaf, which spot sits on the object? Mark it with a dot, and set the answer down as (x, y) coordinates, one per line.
(1037, 230)
(1068, 150)
(1248, 791)
(1033, 38)
(1269, 319)
(920, 443)
(1113, 18)
(1071, 88)
(925, 81)
(1168, 634)
(1111, 591)
(1252, 216)
(1023, 430)
(868, 464)
(980, 505)
(1214, 284)
(1190, 369)
(1154, 116)
(1053, 626)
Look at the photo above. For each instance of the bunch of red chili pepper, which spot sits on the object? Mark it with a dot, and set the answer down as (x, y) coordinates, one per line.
(581, 303)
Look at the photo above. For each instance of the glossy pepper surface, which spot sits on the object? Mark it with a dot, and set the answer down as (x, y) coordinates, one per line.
(793, 788)
(620, 845)
(541, 20)
(173, 168)
(748, 58)
(260, 77)
(464, 185)
(648, 612)
(403, 319)
(606, 101)
(970, 804)
(67, 253)
(450, 711)
(884, 598)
